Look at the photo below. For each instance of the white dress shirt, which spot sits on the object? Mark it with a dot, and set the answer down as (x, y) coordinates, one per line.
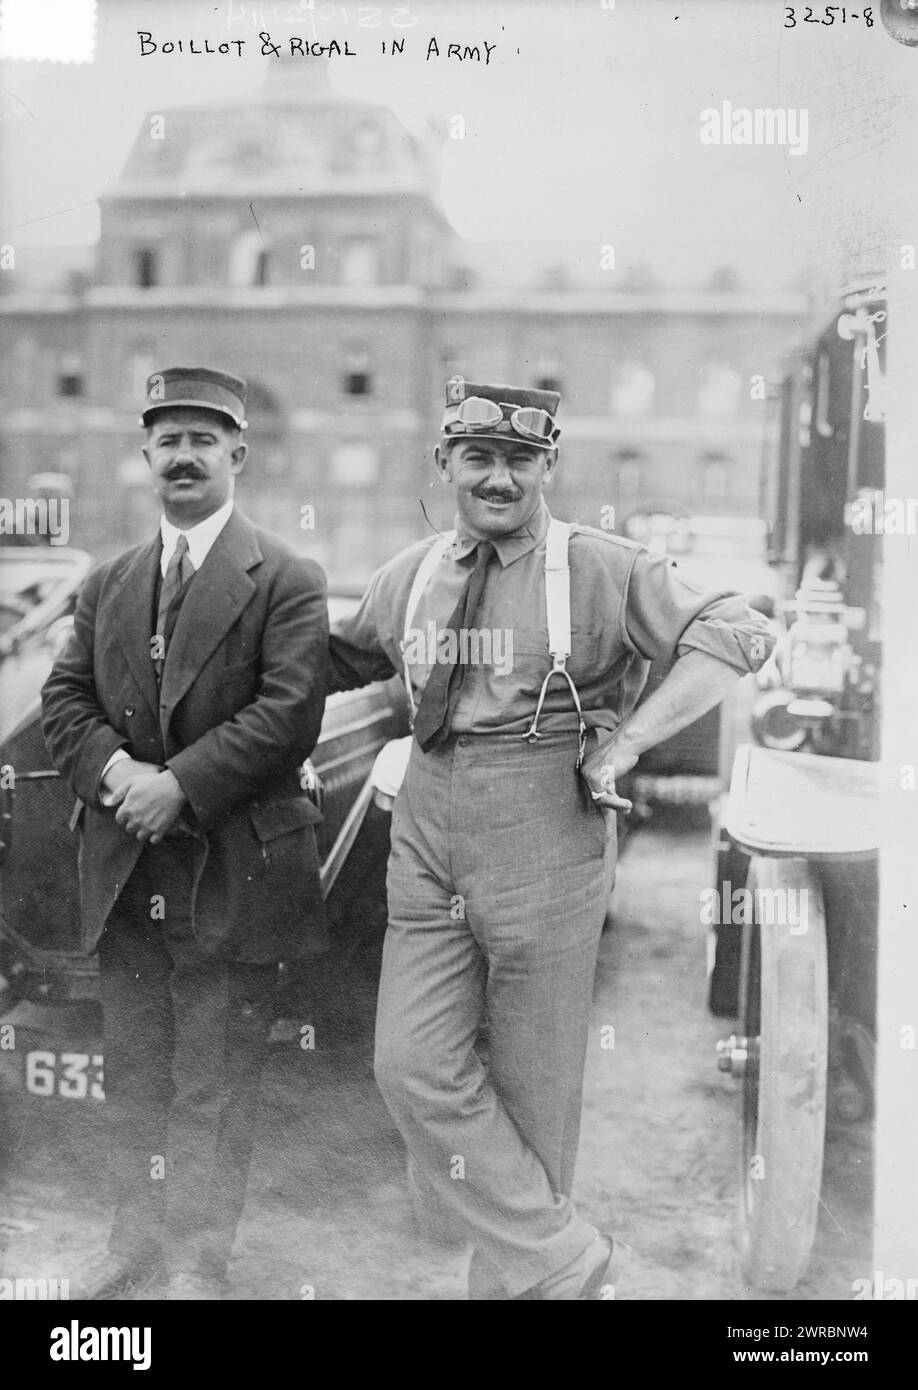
(200, 539)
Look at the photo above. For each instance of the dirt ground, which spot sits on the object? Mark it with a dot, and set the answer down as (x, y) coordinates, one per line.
(329, 1215)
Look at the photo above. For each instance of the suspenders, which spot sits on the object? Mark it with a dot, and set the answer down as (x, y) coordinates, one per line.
(421, 580)
(557, 610)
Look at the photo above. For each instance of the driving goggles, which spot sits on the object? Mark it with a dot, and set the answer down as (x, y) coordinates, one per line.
(477, 415)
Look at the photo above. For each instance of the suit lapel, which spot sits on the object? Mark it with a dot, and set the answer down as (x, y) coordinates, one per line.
(219, 592)
(132, 618)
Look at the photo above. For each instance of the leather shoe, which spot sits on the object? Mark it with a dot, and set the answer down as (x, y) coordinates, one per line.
(194, 1285)
(112, 1276)
(587, 1278)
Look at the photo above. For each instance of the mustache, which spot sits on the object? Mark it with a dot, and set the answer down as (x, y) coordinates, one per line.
(500, 494)
(183, 470)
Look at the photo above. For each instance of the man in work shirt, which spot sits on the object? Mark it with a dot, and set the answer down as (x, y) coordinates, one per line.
(501, 863)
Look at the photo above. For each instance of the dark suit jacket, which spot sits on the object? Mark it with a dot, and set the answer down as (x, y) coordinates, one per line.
(240, 707)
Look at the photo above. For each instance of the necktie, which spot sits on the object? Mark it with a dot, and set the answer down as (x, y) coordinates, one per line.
(441, 693)
(178, 572)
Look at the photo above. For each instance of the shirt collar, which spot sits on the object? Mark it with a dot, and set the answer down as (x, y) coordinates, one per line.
(511, 546)
(200, 537)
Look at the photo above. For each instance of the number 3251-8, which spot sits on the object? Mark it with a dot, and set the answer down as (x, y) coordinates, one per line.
(831, 11)
(71, 1075)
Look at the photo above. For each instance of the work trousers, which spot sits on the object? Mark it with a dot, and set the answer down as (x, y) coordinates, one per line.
(185, 1043)
(499, 878)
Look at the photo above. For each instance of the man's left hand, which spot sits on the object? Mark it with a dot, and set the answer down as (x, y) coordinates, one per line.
(601, 771)
(150, 806)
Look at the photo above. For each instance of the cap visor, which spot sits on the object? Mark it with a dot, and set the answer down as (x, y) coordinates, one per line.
(505, 438)
(198, 405)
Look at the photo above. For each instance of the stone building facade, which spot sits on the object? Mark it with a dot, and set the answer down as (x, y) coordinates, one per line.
(297, 240)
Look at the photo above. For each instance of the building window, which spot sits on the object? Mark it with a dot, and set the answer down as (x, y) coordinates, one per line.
(268, 443)
(719, 391)
(629, 483)
(556, 278)
(357, 379)
(452, 364)
(715, 479)
(548, 375)
(250, 261)
(146, 267)
(354, 464)
(460, 278)
(724, 280)
(427, 257)
(70, 376)
(632, 390)
(26, 371)
(629, 476)
(715, 484)
(141, 366)
(359, 264)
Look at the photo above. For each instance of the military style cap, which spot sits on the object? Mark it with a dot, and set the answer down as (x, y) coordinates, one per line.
(500, 412)
(198, 386)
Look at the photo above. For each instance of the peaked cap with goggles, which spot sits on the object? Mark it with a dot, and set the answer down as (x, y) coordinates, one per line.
(500, 412)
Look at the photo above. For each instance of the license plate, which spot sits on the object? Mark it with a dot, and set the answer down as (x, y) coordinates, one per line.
(70, 1075)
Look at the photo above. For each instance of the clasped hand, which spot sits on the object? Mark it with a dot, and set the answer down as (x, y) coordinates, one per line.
(149, 798)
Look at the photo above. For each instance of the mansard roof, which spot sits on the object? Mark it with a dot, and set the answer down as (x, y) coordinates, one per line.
(295, 137)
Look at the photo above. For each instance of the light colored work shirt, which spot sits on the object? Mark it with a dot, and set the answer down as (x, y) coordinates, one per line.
(628, 608)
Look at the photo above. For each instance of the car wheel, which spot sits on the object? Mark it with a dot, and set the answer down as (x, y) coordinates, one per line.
(784, 1025)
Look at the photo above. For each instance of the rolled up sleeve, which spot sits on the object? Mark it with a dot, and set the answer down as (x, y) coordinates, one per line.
(666, 616)
(355, 647)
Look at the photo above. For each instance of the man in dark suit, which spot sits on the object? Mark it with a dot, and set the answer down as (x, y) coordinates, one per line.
(191, 691)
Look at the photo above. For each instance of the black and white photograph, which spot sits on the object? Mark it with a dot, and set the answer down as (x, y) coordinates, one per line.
(458, 651)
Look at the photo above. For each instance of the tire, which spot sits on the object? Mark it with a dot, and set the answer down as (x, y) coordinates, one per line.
(784, 1016)
(724, 939)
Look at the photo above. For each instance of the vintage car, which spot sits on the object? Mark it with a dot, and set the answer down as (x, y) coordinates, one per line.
(38, 587)
(48, 988)
(797, 835)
